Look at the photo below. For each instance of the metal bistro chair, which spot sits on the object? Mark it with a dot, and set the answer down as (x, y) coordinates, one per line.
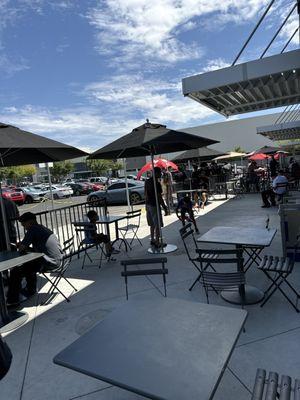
(223, 281)
(133, 225)
(142, 272)
(275, 388)
(81, 229)
(68, 252)
(189, 242)
(277, 270)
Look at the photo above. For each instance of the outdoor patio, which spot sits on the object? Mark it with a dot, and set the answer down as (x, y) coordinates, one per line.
(271, 340)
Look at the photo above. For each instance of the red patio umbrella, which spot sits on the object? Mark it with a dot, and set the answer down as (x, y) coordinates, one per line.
(259, 157)
(160, 162)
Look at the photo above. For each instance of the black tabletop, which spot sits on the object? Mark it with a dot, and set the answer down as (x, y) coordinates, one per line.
(10, 259)
(161, 348)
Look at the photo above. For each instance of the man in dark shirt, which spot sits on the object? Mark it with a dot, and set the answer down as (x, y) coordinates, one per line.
(273, 167)
(41, 240)
(154, 220)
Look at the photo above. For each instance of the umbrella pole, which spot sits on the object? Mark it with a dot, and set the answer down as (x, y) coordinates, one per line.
(50, 185)
(126, 185)
(4, 219)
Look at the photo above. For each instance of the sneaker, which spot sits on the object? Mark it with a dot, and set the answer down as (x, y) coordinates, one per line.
(266, 206)
(197, 231)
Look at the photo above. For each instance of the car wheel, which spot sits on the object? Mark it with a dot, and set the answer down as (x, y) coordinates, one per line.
(135, 198)
(28, 200)
(77, 193)
(93, 198)
(55, 196)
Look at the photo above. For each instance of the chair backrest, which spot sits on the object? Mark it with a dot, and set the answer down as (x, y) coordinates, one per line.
(68, 252)
(82, 230)
(217, 256)
(136, 215)
(189, 241)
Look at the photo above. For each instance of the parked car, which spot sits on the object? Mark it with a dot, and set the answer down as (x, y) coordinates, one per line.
(14, 195)
(98, 179)
(116, 193)
(79, 188)
(59, 191)
(31, 194)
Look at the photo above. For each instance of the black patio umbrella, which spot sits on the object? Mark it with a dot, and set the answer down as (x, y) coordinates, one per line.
(267, 150)
(204, 154)
(151, 139)
(18, 147)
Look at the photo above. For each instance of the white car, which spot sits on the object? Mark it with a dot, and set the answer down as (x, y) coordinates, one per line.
(59, 191)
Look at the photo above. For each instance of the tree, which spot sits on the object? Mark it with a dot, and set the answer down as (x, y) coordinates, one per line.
(102, 167)
(17, 173)
(61, 169)
(238, 149)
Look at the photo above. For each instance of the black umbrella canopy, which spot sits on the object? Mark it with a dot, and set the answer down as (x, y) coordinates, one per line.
(204, 153)
(18, 147)
(268, 150)
(151, 139)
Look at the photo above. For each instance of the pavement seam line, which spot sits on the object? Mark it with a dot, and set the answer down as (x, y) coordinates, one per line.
(239, 379)
(29, 348)
(87, 394)
(269, 337)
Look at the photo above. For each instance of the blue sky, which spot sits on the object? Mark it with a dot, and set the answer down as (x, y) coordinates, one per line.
(88, 71)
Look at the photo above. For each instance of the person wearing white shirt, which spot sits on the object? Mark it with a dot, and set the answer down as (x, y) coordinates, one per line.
(279, 187)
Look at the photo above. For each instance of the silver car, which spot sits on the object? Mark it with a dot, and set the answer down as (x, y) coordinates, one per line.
(116, 193)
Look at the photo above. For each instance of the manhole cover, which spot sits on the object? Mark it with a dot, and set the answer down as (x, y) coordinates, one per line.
(89, 320)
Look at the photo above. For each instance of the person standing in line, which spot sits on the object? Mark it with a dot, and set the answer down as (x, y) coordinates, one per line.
(273, 166)
(154, 219)
(168, 188)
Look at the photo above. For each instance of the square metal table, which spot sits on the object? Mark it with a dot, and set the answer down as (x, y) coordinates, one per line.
(160, 348)
(252, 241)
(10, 259)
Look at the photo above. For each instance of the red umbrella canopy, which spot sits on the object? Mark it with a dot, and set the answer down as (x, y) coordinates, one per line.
(160, 162)
(258, 157)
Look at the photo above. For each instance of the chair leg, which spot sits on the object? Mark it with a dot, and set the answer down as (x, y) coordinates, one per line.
(56, 287)
(196, 280)
(164, 279)
(277, 287)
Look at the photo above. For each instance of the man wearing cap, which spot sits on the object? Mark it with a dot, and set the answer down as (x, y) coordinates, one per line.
(40, 239)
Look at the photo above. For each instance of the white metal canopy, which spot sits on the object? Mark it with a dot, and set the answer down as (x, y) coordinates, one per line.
(285, 131)
(252, 86)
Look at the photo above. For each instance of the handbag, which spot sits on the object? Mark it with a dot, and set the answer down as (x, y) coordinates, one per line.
(5, 358)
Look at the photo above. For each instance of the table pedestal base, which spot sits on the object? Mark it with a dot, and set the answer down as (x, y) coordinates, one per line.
(15, 319)
(252, 296)
(169, 248)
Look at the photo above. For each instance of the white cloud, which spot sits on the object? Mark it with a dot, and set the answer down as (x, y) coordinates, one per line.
(135, 29)
(155, 99)
(213, 65)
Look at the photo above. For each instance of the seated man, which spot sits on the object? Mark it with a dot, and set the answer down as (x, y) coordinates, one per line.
(93, 237)
(42, 240)
(203, 185)
(185, 206)
(279, 187)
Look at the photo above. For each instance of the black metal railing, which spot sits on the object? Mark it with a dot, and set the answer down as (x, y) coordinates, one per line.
(60, 220)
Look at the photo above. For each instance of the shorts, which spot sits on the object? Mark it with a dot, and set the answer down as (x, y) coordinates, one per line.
(152, 219)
